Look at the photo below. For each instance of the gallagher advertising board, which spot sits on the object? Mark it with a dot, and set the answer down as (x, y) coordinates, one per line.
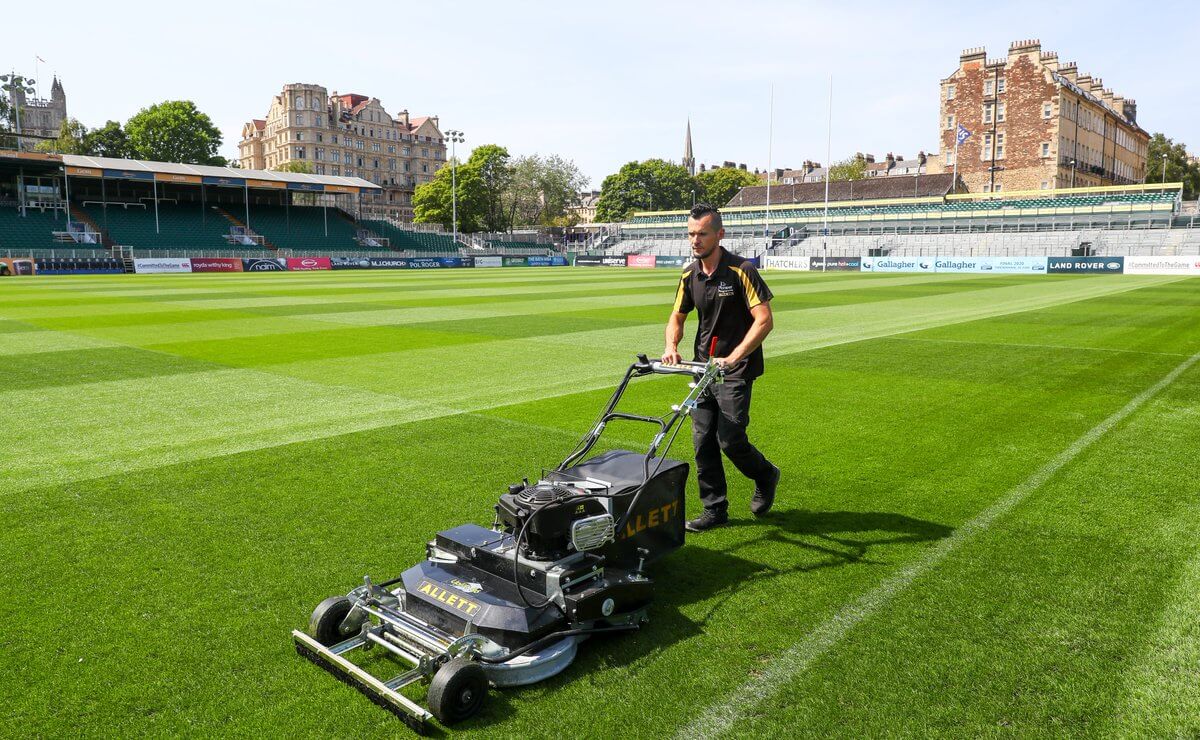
(160, 265)
(216, 264)
(305, 264)
(1173, 265)
(830, 264)
(1085, 265)
(786, 263)
(263, 264)
(639, 260)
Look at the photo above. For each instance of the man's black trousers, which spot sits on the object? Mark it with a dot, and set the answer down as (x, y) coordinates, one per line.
(719, 425)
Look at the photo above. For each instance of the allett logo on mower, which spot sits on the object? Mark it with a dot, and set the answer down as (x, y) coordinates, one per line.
(563, 560)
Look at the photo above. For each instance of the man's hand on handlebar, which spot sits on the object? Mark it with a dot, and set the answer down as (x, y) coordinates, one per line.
(670, 356)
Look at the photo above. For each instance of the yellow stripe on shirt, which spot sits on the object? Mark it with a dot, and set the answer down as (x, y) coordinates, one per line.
(679, 293)
(752, 298)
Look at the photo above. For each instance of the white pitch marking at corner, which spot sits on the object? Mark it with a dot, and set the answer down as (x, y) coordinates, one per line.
(722, 717)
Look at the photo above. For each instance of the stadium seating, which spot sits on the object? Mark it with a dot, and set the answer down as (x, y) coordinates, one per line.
(303, 228)
(34, 230)
(180, 225)
(415, 241)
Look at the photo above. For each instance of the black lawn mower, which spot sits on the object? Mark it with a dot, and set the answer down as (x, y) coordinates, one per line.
(508, 606)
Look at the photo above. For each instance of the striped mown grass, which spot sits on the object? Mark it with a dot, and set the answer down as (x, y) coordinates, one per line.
(191, 463)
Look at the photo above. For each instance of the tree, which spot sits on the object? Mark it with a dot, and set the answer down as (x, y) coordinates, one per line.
(651, 185)
(850, 168)
(482, 183)
(1178, 169)
(174, 131)
(71, 136)
(299, 166)
(7, 124)
(541, 189)
(717, 186)
(107, 141)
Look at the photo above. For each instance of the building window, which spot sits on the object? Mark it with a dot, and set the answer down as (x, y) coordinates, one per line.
(299, 152)
(392, 165)
(424, 167)
(391, 148)
(987, 112)
(998, 188)
(1000, 113)
(985, 150)
(299, 119)
(1000, 85)
(989, 87)
(335, 156)
(333, 138)
(1000, 146)
(320, 169)
(424, 152)
(299, 101)
(335, 170)
(949, 157)
(949, 121)
(1045, 184)
(405, 151)
(316, 120)
(1046, 149)
(987, 188)
(299, 136)
(319, 154)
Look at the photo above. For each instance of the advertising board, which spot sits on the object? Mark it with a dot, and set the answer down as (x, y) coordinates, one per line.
(22, 266)
(831, 264)
(1167, 265)
(1085, 265)
(305, 264)
(160, 265)
(216, 264)
(349, 263)
(786, 263)
(263, 264)
(514, 262)
(386, 263)
(677, 261)
(640, 261)
(489, 262)
(546, 261)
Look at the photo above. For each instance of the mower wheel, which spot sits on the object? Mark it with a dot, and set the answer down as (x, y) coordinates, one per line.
(326, 622)
(457, 691)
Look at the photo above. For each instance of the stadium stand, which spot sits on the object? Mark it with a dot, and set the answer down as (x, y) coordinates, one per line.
(303, 228)
(179, 225)
(414, 241)
(34, 230)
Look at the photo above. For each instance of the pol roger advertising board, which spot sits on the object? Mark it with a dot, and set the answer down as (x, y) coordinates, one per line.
(152, 265)
(1085, 265)
(1173, 265)
(304, 264)
(786, 263)
(489, 262)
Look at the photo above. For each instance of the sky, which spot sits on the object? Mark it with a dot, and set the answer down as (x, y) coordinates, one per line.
(605, 83)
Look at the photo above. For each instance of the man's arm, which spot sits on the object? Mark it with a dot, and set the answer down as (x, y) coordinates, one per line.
(763, 323)
(674, 333)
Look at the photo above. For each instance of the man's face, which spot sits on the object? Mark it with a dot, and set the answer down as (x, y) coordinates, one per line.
(703, 237)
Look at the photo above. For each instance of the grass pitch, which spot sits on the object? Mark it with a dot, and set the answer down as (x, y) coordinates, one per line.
(986, 525)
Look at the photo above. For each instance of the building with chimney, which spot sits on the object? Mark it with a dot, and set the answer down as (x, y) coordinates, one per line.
(1036, 123)
(39, 117)
(349, 135)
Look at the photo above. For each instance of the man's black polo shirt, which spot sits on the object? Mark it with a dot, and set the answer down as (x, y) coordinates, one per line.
(724, 300)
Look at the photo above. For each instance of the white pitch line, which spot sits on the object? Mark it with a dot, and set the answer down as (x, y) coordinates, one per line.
(722, 717)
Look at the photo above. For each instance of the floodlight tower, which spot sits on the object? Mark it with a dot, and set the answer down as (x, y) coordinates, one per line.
(456, 137)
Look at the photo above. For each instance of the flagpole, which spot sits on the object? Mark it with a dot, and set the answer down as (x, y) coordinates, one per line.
(954, 182)
(828, 171)
(770, 143)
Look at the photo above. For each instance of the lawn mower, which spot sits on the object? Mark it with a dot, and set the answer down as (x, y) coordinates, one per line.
(509, 605)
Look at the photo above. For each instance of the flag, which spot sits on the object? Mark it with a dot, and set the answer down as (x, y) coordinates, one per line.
(43, 61)
(963, 134)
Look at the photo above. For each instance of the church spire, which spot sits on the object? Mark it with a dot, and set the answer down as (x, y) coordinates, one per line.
(689, 161)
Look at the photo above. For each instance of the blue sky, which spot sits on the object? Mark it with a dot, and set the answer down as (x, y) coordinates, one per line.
(607, 83)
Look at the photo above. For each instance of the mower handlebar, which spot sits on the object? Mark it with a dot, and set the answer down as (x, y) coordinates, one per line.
(656, 365)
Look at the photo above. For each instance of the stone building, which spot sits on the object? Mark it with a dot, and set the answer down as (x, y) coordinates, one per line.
(349, 135)
(40, 118)
(1037, 123)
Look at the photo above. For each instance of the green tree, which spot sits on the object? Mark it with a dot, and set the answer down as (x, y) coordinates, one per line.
(645, 186)
(717, 186)
(541, 189)
(71, 136)
(1163, 150)
(299, 166)
(107, 141)
(850, 168)
(174, 131)
(7, 124)
(482, 182)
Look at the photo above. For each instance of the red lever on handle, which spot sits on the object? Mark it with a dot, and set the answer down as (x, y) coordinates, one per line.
(712, 346)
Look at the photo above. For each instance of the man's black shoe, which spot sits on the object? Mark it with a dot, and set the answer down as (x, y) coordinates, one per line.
(707, 520)
(764, 493)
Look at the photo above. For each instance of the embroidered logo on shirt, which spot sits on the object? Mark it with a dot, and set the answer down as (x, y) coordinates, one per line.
(724, 290)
